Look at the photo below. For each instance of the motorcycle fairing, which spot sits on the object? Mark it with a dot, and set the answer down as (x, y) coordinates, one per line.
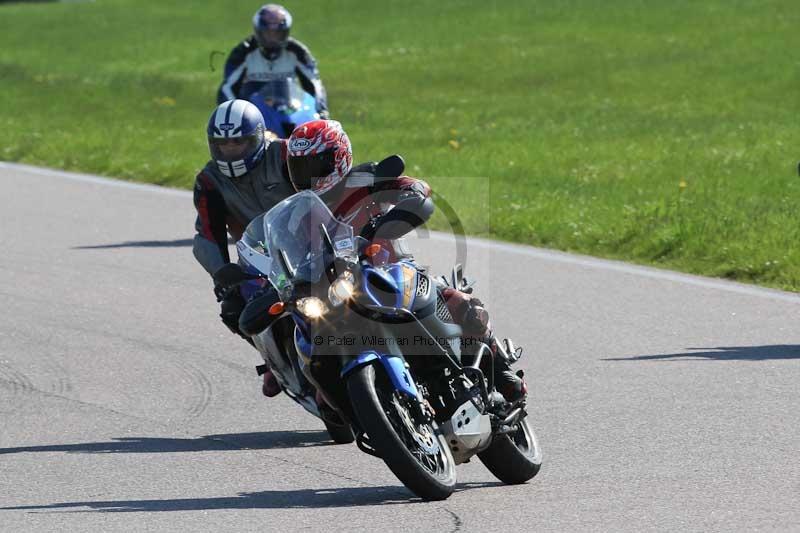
(400, 278)
(286, 111)
(304, 348)
(394, 366)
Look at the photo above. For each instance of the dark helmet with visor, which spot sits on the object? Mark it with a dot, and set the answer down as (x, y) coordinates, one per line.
(271, 26)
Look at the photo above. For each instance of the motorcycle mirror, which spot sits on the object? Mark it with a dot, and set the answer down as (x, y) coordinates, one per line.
(231, 274)
(327, 238)
(286, 265)
(330, 269)
(457, 275)
(391, 167)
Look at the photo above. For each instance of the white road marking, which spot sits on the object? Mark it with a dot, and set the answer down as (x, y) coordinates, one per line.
(99, 180)
(626, 268)
(519, 249)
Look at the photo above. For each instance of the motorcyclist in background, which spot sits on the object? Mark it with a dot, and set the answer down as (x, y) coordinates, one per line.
(245, 177)
(382, 210)
(269, 53)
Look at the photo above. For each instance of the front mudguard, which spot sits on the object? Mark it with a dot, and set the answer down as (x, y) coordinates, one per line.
(394, 366)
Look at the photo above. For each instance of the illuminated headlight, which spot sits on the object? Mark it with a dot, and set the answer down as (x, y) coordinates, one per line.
(341, 289)
(312, 307)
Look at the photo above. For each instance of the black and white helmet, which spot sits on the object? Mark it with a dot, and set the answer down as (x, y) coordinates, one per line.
(236, 137)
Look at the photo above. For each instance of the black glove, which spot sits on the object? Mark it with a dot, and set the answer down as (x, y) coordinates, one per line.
(254, 317)
(222, 292)
(406, 215)
(227, 278)
(231, 306)
(476, 319)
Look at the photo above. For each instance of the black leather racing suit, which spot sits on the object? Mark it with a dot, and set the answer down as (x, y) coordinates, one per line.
(226, 205)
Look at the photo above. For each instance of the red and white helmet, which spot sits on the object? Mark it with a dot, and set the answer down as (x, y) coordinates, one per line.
(319, 155)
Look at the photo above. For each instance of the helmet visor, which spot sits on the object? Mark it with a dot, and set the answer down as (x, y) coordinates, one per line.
(306, 170)
(272, 38)
(233, 148)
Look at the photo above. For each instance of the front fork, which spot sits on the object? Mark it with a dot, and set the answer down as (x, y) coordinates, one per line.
(397, 370)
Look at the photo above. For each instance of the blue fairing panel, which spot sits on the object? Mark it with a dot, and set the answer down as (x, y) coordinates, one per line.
(359, 361)
(398, 373)
(303, 346)
(395, 368)
(388, 280)
(401, 277)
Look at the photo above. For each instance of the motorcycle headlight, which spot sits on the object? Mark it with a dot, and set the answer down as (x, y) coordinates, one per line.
(342, 289)
(312, 307)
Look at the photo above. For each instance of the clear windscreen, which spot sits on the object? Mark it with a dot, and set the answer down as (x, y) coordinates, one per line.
(252, 247)
(276, 93)
(294, 230)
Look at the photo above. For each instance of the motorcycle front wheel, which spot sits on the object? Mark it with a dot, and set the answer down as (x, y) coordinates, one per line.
(416, 453)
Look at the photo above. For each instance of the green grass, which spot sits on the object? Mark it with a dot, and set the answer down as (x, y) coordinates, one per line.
(568, 124)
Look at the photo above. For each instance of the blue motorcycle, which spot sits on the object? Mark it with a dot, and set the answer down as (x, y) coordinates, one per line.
(376, 340)
(282, 102)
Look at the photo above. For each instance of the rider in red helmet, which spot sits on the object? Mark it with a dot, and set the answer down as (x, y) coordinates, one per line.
(320, 157)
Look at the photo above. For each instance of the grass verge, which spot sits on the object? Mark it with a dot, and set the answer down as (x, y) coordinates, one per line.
(661, 134)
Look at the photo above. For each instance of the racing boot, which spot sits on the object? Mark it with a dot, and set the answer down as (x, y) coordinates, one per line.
(327, 412)
(271, 387)
(507, 382)
(475, 323)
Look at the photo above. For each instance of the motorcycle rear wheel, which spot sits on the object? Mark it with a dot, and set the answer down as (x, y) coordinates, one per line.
(514, 458)
(431, 476)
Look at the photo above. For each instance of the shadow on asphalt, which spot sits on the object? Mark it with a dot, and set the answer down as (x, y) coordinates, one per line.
(139, 244)
(228, 442)
(268, 499)
(724, 353)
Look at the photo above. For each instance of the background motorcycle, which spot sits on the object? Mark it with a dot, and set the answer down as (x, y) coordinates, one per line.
(282, 102)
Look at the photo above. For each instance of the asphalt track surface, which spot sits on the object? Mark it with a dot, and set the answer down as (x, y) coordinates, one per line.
(662, 401)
